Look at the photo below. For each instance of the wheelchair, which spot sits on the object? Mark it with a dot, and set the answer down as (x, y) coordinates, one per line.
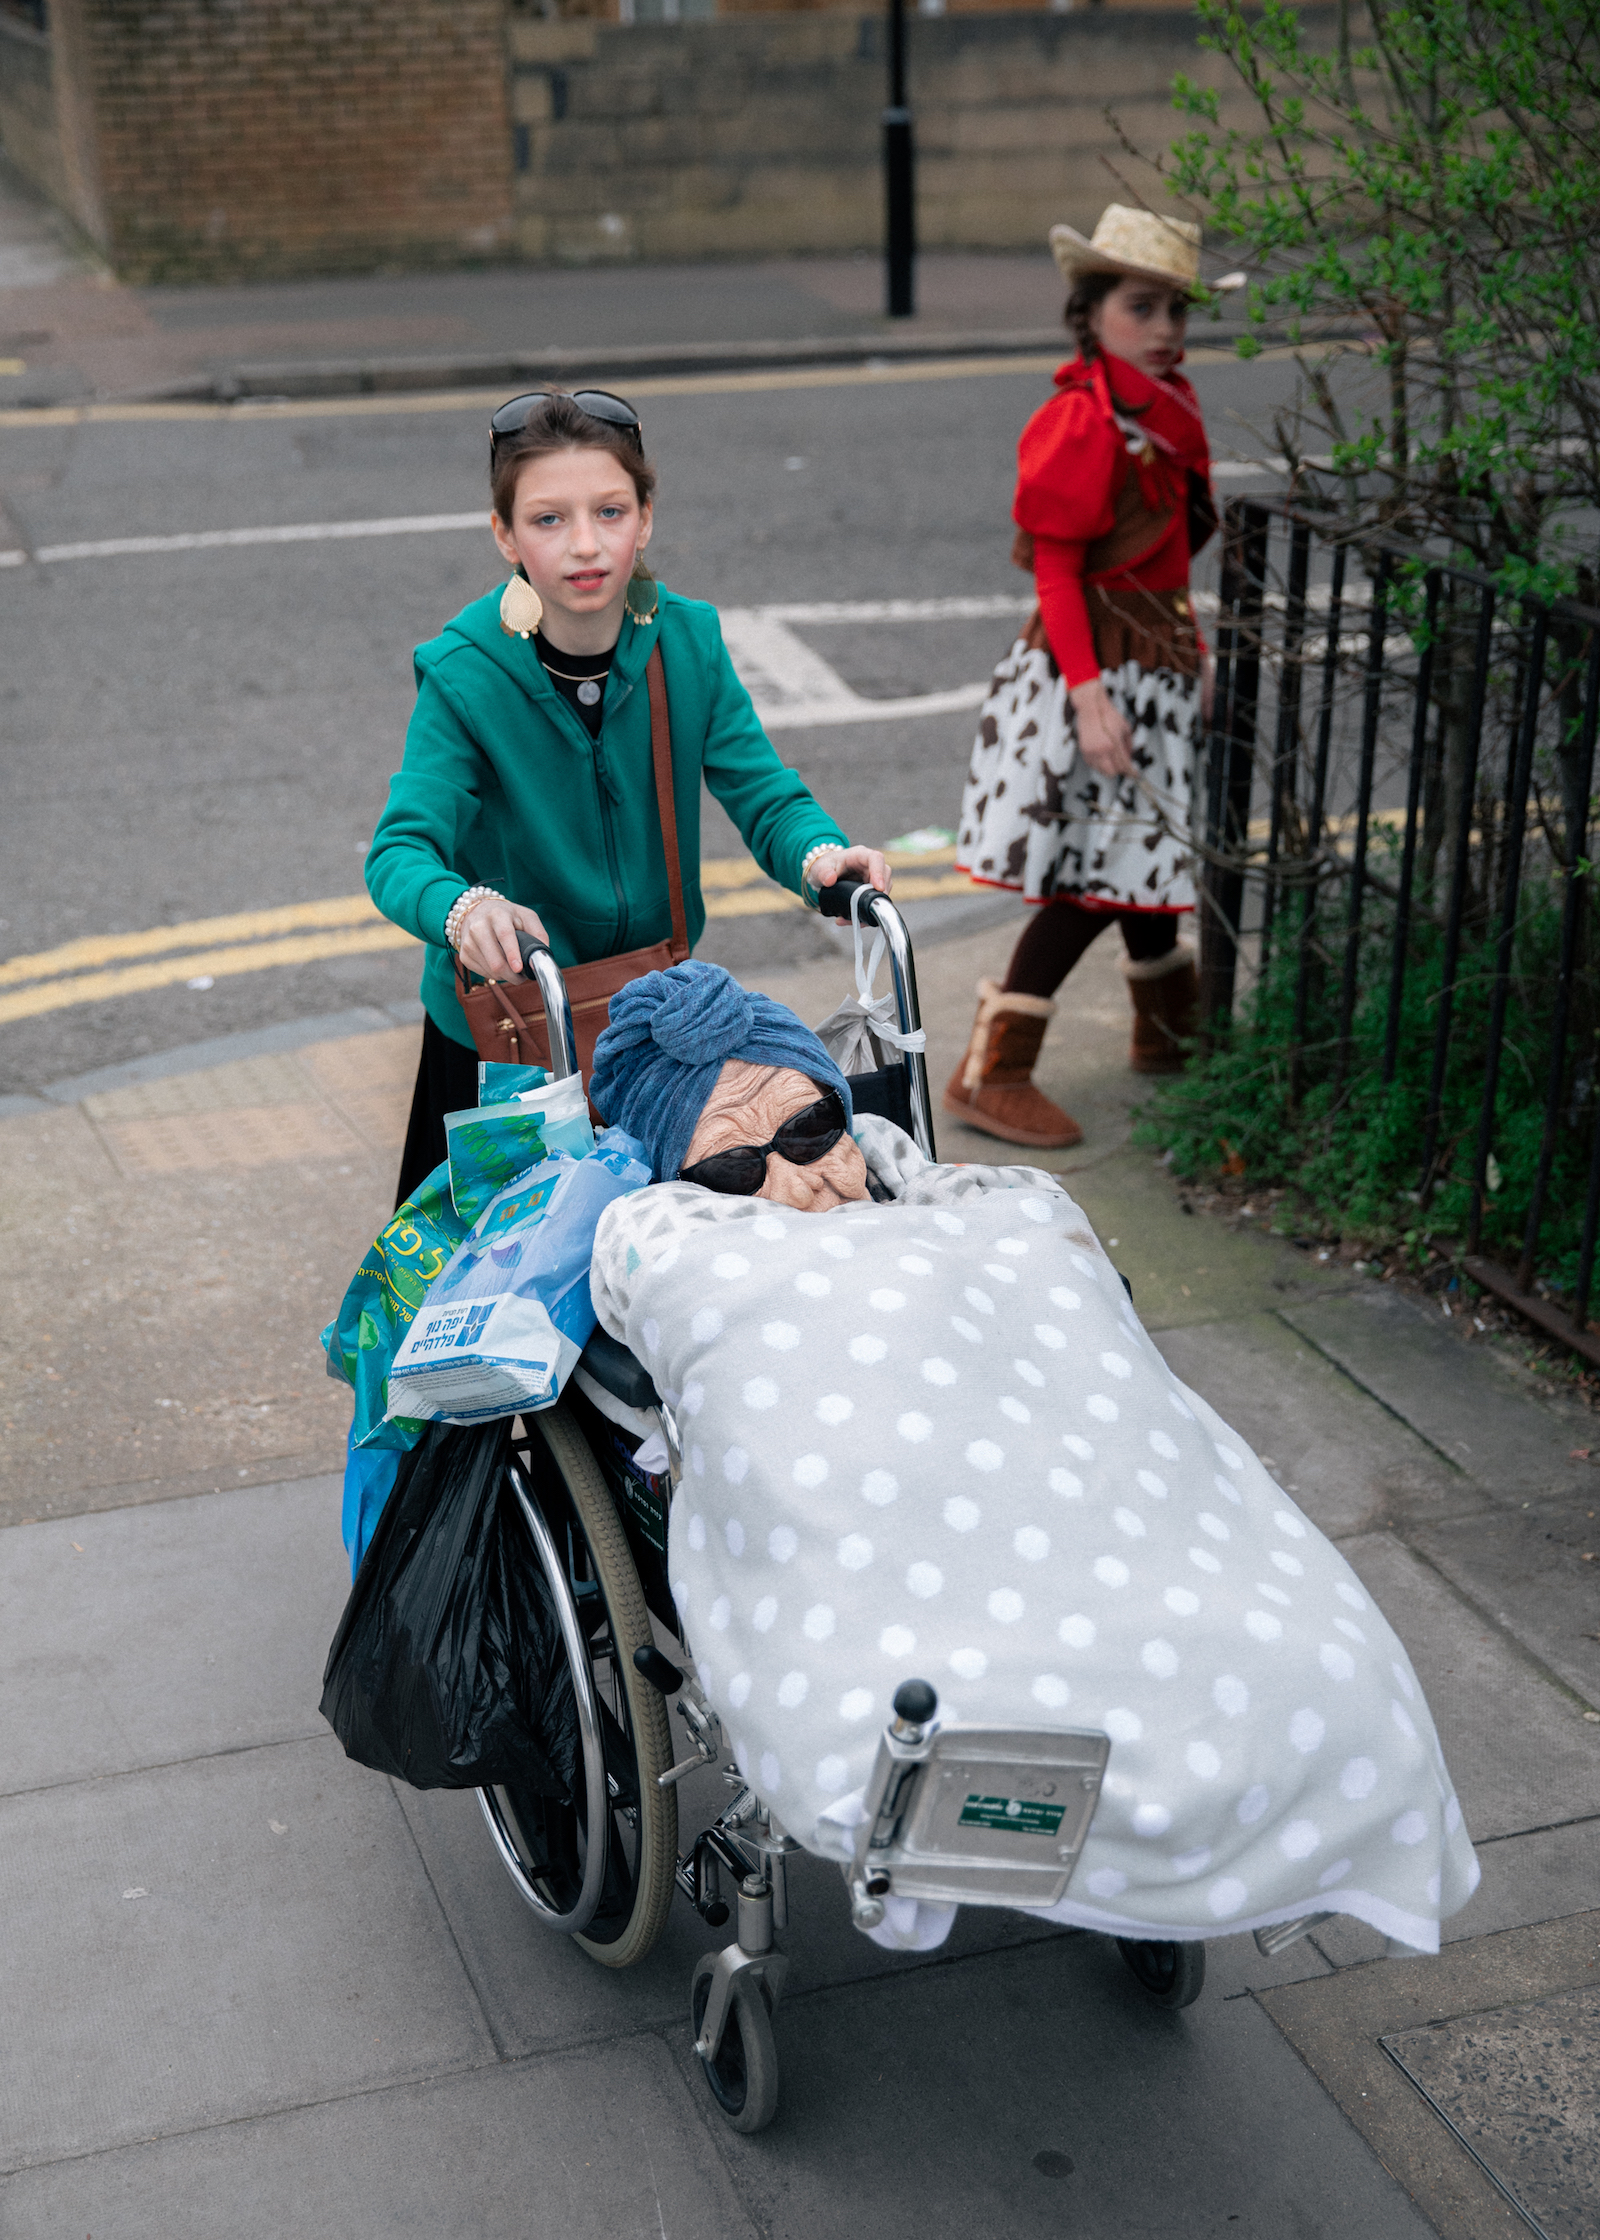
(952, 1814)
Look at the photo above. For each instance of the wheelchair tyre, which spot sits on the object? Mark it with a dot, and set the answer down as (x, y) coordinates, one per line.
(744, 2076)
(1173, 1974)
(550, 1839)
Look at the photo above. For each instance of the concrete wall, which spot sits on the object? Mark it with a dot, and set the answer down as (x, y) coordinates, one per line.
(29, 131)
(239, 138)
(759, 134)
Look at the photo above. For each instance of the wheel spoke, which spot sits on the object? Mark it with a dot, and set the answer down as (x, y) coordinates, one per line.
(594, 1576)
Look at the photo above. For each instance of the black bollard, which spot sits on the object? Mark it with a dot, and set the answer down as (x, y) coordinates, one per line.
(899, 177)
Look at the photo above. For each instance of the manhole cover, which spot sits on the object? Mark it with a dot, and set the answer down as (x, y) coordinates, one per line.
(1516, 2086)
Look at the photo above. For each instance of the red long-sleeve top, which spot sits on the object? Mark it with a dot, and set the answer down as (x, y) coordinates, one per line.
(1107, 421)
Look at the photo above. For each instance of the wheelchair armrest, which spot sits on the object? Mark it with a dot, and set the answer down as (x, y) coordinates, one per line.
(625, 1377)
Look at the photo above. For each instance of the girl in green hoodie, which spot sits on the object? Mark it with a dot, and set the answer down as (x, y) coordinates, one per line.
(526, 798)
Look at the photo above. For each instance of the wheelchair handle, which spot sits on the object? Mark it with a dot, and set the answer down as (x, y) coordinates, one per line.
(834, 901)
(879, 911)
(538, 964)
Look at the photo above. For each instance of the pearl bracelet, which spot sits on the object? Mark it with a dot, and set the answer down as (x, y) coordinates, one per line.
(462, 908)
(822, 848)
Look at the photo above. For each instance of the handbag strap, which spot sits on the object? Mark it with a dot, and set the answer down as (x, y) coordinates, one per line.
(661, 756)
(661, 760)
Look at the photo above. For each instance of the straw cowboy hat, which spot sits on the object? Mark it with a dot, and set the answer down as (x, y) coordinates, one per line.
(1140, 245)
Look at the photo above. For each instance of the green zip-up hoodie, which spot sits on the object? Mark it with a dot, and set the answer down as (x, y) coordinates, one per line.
(501, 786)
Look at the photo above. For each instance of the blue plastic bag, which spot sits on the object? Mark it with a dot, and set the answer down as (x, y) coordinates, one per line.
(369, 1476)
(498, 1084)
(504, 1324)
(492, 1145)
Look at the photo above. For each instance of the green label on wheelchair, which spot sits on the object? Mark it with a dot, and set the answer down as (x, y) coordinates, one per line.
(1020, 1815)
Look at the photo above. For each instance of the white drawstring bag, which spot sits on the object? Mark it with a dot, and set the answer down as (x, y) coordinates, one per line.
(864, 1033)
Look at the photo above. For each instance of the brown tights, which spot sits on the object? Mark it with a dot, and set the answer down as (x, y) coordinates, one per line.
(1057, 934)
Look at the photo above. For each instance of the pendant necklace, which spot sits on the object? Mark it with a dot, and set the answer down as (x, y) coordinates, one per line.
(589, 688)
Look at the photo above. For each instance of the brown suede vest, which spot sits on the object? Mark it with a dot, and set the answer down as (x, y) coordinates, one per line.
(1153, 628)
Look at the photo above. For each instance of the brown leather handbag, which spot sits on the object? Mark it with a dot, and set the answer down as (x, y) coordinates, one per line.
(507, 1016)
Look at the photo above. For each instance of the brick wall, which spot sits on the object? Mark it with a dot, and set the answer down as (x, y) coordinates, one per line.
(253, 138)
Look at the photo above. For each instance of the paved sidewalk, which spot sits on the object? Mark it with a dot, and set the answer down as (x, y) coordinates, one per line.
(251, 1986)
(81, 336)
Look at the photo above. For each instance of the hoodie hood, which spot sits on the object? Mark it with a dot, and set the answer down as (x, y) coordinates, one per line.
(476, 631)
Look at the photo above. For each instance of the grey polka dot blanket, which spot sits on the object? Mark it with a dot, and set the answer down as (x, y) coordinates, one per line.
(931, 1437)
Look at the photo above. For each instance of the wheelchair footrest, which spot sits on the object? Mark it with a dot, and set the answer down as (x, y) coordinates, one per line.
(978, 1815)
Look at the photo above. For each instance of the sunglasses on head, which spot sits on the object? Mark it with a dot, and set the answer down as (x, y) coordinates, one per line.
(519, 412)
(805, 1137)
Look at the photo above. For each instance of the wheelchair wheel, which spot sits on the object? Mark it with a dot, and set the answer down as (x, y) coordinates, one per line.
(601, 1867)
(744, 2076)
(1173, 1974)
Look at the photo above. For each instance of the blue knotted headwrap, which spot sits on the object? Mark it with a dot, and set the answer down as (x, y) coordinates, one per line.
(671, 1034)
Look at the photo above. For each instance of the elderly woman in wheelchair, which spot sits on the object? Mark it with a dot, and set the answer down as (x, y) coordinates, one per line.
(905, 1509)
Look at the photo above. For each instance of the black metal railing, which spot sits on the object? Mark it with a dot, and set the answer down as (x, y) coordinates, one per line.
(1394, 831)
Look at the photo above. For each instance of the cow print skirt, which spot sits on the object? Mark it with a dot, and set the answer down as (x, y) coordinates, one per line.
(1036, 818)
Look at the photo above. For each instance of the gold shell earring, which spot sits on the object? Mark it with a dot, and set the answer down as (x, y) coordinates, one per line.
(643, 605)
(521, 608)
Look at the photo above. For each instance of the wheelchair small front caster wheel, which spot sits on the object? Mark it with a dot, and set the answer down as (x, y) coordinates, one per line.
(1173, 1974)
(743, 2075)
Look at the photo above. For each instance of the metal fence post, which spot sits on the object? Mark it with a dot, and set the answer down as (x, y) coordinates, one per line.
(1459, 875)
(1520, 776)
(1286, 747)
(1232, 752)
(1315, 814)
(1572, 906)
(1408, 859)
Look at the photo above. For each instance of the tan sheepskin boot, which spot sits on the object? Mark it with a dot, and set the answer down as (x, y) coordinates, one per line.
(992, 1089)
(1166, 1010)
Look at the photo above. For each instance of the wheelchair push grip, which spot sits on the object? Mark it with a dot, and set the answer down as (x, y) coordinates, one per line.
(834, 901)
(530, 946)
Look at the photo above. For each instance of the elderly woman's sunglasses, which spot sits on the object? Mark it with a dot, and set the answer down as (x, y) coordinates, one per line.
(805, 1137)
(520, 412)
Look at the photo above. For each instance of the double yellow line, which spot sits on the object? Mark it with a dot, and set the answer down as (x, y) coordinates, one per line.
(90, 970)
(100, 967)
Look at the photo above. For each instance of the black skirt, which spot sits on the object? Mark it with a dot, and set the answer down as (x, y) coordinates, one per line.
(447, 1081)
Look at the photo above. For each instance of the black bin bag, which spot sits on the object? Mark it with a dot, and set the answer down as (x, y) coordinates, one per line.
(448, 1670)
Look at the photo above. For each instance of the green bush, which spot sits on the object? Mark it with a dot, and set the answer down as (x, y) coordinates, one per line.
(1351, 1146)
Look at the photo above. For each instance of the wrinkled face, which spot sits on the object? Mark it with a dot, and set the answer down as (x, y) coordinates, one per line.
(749, 1104)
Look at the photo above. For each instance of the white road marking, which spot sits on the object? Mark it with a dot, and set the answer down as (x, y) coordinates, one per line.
(854, 708)
(293, 532)
(794, 689)
(779, 670)
(899, 610)
(434, 524)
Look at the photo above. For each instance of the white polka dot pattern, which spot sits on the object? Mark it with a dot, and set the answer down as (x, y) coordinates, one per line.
(932, 1440)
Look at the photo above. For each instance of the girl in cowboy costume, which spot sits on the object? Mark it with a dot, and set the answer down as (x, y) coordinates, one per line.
(1078, 795)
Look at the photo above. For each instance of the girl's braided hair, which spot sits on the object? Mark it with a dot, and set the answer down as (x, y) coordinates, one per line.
(1089, 290)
